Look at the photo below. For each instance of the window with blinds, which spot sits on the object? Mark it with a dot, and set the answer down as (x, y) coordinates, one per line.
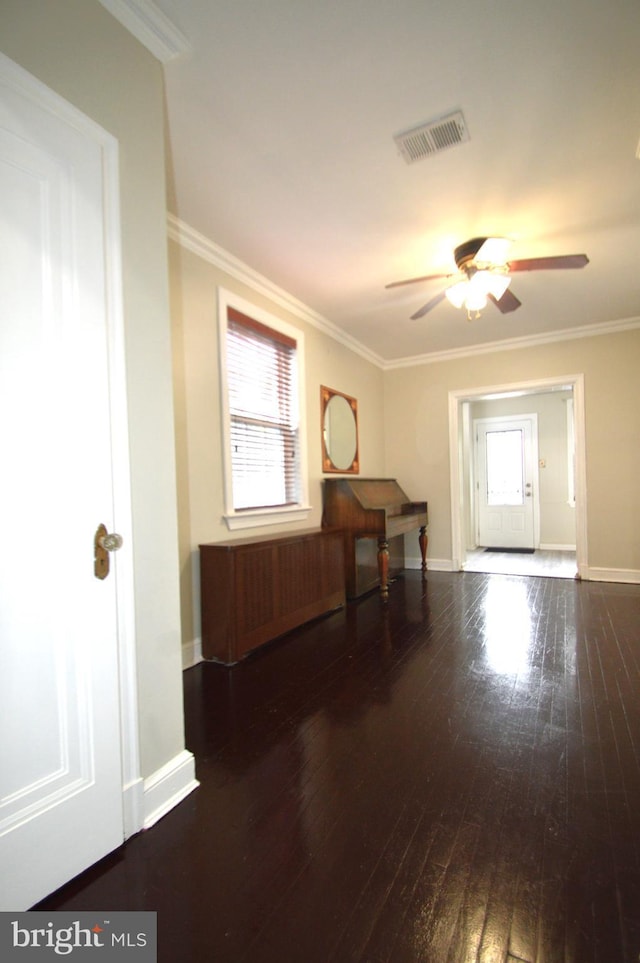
(262, 386)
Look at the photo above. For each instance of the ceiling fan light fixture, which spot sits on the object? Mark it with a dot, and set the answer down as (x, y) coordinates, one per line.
(466, 294)
(473, 292)
(480, 284)
(457, 293)
(476, 299)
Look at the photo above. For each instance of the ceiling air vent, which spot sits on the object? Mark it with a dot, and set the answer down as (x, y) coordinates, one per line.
(432, 138)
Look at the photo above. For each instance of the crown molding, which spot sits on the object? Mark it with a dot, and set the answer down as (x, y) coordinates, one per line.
(198, 244)
(514, 344)
(150, 26)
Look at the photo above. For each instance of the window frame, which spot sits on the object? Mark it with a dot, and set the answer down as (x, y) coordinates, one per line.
(237, 519)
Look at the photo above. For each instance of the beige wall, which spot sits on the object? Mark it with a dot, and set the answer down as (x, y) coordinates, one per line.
(82, 53)
(417, 433)
(194, 284)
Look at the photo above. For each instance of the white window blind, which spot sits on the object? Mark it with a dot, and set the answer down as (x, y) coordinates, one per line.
(263, 413)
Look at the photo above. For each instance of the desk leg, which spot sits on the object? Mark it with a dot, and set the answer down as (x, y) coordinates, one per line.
(383, 567)
(423, 539)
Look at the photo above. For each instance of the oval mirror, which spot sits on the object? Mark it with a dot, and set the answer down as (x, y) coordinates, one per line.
(339, 432)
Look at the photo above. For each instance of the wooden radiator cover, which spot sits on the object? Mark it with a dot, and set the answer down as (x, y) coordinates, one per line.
(253, 590)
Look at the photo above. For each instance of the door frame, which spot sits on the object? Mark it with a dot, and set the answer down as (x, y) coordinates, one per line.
(15, 76)
(459, 436)
(535, 498)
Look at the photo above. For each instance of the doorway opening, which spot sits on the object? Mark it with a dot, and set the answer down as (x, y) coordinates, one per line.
(556, 466)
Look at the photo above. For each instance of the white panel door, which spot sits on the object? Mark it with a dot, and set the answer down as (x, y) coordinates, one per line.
(505, 469)
(60, 756)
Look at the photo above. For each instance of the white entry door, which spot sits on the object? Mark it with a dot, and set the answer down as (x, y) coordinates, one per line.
(506, 476)
(60, 734)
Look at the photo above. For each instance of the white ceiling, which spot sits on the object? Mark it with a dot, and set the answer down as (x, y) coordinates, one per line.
(281, 118)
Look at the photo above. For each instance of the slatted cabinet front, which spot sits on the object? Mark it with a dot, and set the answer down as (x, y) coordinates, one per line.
(253, 590)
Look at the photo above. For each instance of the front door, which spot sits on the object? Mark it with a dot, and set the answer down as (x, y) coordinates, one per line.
(505, 473)
(60, 752)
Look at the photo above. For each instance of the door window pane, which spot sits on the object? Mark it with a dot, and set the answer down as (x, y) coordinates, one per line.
(505, 467)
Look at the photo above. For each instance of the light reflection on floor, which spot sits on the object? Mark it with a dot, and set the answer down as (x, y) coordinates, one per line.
(508, 627)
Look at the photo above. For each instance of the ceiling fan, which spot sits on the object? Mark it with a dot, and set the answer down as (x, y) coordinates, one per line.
(485, 274)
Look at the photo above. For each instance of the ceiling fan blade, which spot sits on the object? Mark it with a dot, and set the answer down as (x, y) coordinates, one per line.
(494, 250)
(508, 302)
(428, 306)
(562, 261)
(425, 277)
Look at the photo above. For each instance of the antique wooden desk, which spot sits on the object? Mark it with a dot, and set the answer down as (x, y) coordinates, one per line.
(374, 514)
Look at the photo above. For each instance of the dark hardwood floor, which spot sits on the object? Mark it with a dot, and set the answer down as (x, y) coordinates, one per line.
(455, 778)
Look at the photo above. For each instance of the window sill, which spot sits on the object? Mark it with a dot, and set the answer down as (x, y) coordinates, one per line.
(253, 518)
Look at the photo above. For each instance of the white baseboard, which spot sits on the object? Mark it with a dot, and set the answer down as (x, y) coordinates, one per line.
(133, 807)
(168, 786)
(549, 547)
(191, 653)
(433, 564)
(629, 576)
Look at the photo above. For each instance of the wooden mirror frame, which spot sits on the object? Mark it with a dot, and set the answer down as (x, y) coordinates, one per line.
(326, 396)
